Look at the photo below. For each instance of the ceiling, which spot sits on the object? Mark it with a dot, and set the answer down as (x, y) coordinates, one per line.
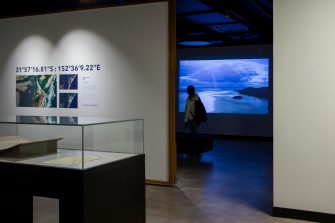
(210, 22)
(224, 22)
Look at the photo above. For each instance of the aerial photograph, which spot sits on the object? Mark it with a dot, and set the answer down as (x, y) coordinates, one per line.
(36, 91)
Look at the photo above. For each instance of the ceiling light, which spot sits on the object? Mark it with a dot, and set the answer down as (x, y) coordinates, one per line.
(194, 43)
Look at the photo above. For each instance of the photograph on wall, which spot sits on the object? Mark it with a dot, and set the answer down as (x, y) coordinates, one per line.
(68, 100)
(36, 91)
(68, 81)
(233, 86)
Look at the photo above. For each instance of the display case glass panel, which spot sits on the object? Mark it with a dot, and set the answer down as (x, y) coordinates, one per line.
(69, 142)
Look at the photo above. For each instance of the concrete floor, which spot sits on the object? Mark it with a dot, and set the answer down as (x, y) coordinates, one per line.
(232, 183)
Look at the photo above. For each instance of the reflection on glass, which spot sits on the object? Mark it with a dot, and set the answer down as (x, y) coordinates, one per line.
(68, 120)
(37, 119)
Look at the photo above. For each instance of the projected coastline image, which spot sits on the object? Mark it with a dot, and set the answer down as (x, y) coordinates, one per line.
(68, 81)
(68, 100)
(235, 86)
(36, 91)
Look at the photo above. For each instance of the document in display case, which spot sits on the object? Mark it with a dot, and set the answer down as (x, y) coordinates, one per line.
(94, 166)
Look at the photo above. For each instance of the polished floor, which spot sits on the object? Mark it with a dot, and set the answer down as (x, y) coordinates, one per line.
(231, 184)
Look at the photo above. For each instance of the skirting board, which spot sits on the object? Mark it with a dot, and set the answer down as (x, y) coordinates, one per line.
(157, 182)
(303, 215)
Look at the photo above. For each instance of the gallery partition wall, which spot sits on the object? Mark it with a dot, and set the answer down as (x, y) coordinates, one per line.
(304, 122)
(119, 60)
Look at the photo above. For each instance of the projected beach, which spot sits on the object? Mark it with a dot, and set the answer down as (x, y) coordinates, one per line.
(36, 91)
(236, 86)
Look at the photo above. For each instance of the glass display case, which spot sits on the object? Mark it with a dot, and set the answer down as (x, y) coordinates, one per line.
(95, 167)
(69, 142)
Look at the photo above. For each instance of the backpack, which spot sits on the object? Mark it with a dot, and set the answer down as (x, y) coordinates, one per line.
(200, 114)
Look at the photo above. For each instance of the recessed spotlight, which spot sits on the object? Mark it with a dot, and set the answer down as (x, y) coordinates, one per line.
(194, 43)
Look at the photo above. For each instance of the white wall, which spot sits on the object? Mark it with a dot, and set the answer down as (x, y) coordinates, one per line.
(304, 106)
(130, 43)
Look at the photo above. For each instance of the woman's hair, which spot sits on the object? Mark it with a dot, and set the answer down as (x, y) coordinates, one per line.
(190, 89)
